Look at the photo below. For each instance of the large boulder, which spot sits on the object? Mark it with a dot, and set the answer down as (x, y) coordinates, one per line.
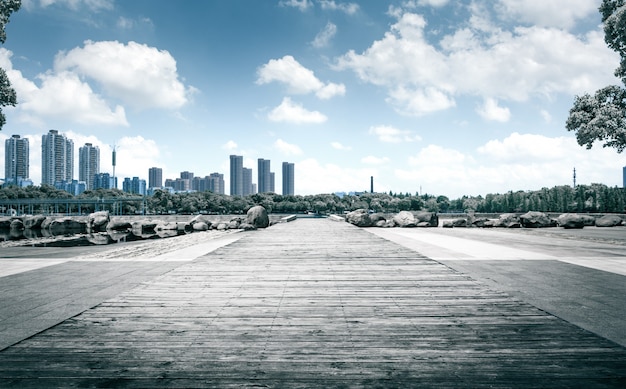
(257, 216)
(33, 221)
(119, 225)
(67, 226)
(17, 225)
(200, 226)
(427, 219)
(5, 223)
(482, 222)
(98, 221)
(202, 220)
(451, 223)
(609, 221)
(144, 228)
(405, 219)
(588, 220)
(508, 220)
(534, 219)
(359, 218)
(570, 220)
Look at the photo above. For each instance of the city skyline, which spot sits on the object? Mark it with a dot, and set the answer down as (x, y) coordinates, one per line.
(455, 98)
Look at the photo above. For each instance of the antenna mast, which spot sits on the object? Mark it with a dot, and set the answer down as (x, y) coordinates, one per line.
(574, 178)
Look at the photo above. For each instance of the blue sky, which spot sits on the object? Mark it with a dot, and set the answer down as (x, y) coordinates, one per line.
(447, 97)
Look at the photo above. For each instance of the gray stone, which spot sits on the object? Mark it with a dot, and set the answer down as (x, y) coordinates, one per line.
(257, 216)
(33, 221)
(570, 220)
(533, 219)
(200, 226)
(609, 221)
(98, 221)
(405, 219)
(247, 227)
(508, 220)
(67, 226)
(460, 222)
(200, 219)
(359, 218)
(426, 219)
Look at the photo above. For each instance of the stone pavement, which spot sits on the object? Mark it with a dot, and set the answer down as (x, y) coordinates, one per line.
(312, 303)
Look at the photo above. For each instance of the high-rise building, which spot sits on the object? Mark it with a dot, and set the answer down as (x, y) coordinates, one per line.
(272, 182)
(248, 187)
(288, 178)
(134, 185)
(155, 177)
(264, 181)
(16, 155)
(624, 177)
(186, 175)
(104, 181)
(216, 183)
(236, 175)
(88, 164)
(57, 158)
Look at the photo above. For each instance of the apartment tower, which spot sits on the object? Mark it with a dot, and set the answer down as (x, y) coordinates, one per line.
(155, 177)
(88, 164)
(16, 155)
(288, 178)
(236, 175)
(57, 158)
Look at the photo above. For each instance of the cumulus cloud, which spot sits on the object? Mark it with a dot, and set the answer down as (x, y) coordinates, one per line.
(92, 5)
(372, 160)
(322, 39)
(287, 148)
(339, 146)
(348, 8)
(137, 74)
(337, 178)
(302, 5)
(553, 13)
(230, 145)
(390, 134)
(298, 79)
(290, 112)
(480, 59)
(490, 110)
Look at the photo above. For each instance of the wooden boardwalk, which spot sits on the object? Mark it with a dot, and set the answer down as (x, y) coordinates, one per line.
(313, 303)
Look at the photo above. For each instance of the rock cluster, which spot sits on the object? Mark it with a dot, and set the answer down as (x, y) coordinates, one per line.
(532, 219)
(100, 228)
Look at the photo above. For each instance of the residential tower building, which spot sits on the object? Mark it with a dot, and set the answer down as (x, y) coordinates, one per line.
(88, 164)
(57, 158)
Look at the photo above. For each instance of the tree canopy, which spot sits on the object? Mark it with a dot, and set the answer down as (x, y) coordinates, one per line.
(601, 117)
(7, 93)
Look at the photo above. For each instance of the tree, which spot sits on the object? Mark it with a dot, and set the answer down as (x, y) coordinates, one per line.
(7, 93)
(601, 117)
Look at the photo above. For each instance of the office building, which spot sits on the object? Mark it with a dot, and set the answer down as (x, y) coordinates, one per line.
(104, 181)
(88, 164)
(57, 158)
(265, 176)
(624, 177)
(16, 156)
(288, 178)
(155, 177)
(236, 175)
(134, 185)
(216, 183)
(74, 187)
(248, 187)
(272, 182)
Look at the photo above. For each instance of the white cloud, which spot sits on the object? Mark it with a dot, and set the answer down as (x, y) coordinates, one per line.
(336, 178)
(553, 13)
(230, 145)
(372, 160)
(140, 75)
(390, 134)
(302, 5)
(480, 59)
(339, 146)
(546, 116)
(412, 4)
(348, 8)
(490, 110)
(322, 39)
(287, 148)
(93, 5)
(299, 79)
(529, 147)
(291, 112)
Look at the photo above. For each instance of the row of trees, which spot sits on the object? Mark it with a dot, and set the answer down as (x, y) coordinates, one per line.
(583, 198)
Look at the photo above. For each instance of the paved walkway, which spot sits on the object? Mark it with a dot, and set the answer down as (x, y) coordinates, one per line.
(312, 303)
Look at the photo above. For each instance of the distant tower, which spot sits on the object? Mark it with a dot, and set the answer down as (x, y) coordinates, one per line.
(264, 181)
(574, 177)
(113, 162)
(16, 159)
(624, 177)
(371, 184)
(288, 179)
(88, 164)
(57, 158)
(155, 177)
(236, 175)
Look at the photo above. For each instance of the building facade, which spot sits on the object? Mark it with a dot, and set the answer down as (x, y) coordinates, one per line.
(88, 164)
(248, 188)
(236, 175)
(288, 179)
(57, 158)
(216, 183)
(16, 159)
(155, 177)
(104, 181)
(134, 185)
(265, 175)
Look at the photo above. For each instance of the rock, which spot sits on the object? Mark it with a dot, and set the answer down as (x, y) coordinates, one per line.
(588, 220)
(609, 221)
(17, 225)
(455, 223)
(99, 239)
(570, 220)
(534, 219)
(426, 219)
(200, 226)
(257, 216)
(183, 228)
(118, 225)
(359, 218)
(98, 221)
(508, 220)
(200, 219)
(67, 226)
(5, 223)
(482, 222)
(222, 226)
(33, 221)
(376, 217)
(405, 219)
(247, 227)
(234, 223)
